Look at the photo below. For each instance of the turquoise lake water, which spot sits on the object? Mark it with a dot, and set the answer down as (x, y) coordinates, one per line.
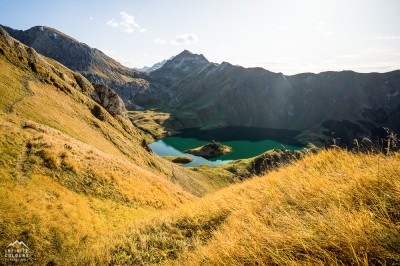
(245, 143)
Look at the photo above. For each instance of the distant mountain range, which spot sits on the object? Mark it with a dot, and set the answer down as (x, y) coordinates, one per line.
(199, 93)
(154, 67)
(205, 94)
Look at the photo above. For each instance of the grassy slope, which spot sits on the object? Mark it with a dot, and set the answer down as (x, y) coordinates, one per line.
(333, 207)
(151, 121)
(67, 178)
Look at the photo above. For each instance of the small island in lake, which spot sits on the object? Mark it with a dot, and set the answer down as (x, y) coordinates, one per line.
(213, 149)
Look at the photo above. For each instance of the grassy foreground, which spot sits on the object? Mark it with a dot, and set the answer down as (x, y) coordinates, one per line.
(334, 208)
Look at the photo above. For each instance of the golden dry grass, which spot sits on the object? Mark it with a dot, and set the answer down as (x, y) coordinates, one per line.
(332, 208)
(151, 121)
(60, 194)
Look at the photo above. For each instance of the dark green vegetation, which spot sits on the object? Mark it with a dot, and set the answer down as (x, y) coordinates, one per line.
(217, 146)
(210, 150)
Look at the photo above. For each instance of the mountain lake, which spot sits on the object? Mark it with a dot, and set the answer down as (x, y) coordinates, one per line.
(246, 142)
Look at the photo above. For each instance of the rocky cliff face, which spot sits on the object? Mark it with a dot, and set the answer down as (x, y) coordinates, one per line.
(54, 44)
(109, 99)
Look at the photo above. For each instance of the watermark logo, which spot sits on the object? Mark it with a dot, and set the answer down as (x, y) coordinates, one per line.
(17, 251)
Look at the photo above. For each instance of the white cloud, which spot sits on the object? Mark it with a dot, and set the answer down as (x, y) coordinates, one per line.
(160, 41)
(126, 23)
(179, 39)
(91, 18)
(128, 19)
(185, 39)
(112, 23)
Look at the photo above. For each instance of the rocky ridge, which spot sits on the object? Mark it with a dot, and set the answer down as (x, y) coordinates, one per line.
(92, 63)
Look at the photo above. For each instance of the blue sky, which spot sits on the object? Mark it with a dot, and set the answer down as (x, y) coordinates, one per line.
(282, 36)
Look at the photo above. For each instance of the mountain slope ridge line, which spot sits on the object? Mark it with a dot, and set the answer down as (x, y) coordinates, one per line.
(197, 93)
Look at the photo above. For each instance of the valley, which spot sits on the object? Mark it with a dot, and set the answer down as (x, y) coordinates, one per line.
(189, 91)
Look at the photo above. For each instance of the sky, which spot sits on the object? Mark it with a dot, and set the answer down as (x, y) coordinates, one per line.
(288, 36)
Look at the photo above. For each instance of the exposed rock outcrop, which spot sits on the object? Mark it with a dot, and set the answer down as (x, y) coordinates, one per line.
(109, 99)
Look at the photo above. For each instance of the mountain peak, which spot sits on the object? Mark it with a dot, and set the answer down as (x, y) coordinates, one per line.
(45, 29)
(185, 63)
(75, 55)
(187, 54)
(186, 57)
(35, 33)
